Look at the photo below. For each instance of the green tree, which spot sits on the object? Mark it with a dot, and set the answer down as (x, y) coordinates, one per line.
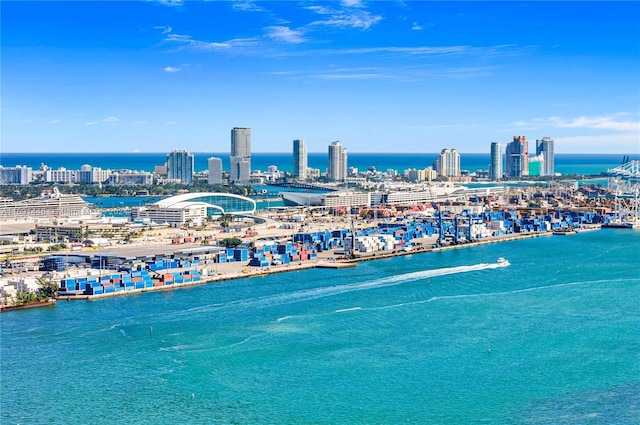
(230, 242)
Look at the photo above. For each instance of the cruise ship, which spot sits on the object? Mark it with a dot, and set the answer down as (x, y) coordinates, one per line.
(50, 204)
(372, 199)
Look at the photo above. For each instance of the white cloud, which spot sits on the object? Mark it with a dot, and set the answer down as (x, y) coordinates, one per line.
(352, 3)
(165, 29)
(616, 122)
(54, 121)
(621, 142)
(285, 34)
(416, 27)
(247, 6)
(346, 18)
(188, 41)
(171, 2)
(107, 120)
(171, 69)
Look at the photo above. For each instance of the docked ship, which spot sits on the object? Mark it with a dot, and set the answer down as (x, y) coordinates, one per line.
(350, 198)
(50, 204)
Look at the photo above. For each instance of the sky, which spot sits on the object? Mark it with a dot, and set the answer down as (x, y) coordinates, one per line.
(379, 76)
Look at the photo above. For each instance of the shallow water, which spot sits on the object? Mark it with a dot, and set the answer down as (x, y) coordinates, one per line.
(429, 338)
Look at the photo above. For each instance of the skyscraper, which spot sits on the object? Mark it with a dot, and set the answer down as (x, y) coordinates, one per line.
(180, 166)
(240, 170)
(337, 170)
(448, 163)
(215, 170)
(544, 147)
(299, 159)
(495, 168)
(517, 157)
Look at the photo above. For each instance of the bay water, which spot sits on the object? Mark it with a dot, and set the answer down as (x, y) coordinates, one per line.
(432, 338)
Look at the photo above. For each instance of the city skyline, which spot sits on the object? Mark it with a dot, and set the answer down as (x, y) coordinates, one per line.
(388, 76)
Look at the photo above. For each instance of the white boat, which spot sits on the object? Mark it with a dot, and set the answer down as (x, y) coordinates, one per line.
(503, 262)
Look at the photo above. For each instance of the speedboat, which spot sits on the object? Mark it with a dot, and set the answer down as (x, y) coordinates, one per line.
(503, 262)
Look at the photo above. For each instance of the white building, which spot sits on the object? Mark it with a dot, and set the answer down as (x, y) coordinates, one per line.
(448, 163)
(19, 174)
(337, 170)
(495, 168)
(299, 159)
(215, 170)
(544, 147)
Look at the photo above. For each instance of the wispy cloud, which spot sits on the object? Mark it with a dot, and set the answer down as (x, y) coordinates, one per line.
(165, 29)
(349, 17)
(351, 3)
(247, 6)
(285, 34)
(104, 120)
(617, 122)
(173, 3)
(416, 27)
(171, 69)
(187, 40)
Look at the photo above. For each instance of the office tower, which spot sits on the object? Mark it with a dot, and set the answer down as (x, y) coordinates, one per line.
(448, 163)
(180, 166)
(214, 166)
(495, 168)
(337, 170)
(299, 159)
(240, 171)
(517, 157)
(544, 147)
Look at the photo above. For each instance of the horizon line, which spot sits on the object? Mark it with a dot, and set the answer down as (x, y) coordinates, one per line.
(308, 153)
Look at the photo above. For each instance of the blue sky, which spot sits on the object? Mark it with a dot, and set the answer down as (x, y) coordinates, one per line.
(379, 76)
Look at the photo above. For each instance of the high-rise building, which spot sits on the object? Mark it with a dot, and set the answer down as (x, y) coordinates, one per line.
(495, 168)
(299, 159)
(240, 171)
(337, 170)
(448, 163)
(180, 166)
(517, 157)
(20, 174)
(214, 165)
(544, 147)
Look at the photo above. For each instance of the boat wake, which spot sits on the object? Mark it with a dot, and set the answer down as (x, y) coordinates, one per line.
(328, 291)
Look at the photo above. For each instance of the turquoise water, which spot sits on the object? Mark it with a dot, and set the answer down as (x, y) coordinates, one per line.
(564, 163)
(401, 340)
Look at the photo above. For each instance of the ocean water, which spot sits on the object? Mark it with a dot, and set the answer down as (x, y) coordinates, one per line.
(564, 163)
(430, 338)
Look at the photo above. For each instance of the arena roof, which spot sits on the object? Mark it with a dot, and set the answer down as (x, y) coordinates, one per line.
(226, 203)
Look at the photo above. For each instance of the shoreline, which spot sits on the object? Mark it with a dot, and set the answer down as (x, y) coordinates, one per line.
(339, 263)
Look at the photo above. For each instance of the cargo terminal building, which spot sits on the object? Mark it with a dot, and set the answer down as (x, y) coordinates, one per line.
(194, 208)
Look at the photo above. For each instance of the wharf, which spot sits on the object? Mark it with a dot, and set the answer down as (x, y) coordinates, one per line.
(234, 273)
(335, 264)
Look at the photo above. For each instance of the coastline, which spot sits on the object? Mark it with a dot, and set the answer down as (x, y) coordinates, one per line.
(233, 271)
